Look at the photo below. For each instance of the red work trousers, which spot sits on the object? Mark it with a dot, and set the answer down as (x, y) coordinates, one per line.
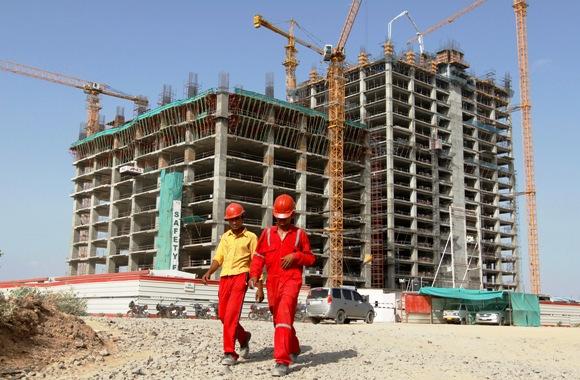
(282, 300)
(232, 290)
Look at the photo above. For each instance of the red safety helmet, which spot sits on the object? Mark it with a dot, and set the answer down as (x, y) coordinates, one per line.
(283, 206)
(234, 210)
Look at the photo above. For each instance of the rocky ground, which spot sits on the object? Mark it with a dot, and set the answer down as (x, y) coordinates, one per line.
(191, 349)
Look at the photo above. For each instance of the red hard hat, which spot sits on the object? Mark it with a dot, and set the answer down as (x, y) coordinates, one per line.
(283, 206)
(234, 210)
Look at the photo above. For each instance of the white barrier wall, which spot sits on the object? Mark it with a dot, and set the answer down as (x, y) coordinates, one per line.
(111, 294)
(384, 303)
(559, 314)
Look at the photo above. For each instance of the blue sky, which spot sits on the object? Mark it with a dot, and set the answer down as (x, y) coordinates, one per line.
(137, 46)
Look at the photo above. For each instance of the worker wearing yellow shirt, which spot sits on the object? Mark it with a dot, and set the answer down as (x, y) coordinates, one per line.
(233, 255)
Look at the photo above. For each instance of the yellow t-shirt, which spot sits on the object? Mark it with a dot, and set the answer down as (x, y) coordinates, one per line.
(234, 252)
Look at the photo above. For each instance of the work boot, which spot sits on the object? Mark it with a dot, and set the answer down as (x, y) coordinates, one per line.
(229, 360)
(280, 370)
(245, 349)
(294, 356)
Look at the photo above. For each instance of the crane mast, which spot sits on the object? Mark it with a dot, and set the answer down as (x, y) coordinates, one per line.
(520, 9)
(336, 117)
(290, 62)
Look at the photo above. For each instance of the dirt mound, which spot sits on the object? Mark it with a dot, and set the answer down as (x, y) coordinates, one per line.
(33, 334)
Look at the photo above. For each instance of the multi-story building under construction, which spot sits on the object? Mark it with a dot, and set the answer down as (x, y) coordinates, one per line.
(151, 193)
(439, 206)
(443, 180)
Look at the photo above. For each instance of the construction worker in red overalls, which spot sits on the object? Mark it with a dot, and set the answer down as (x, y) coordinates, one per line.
(233, 255)
(284, 249)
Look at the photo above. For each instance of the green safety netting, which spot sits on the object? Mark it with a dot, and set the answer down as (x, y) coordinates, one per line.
(170, 190)
(145, 115)
(525, 309)
(193, 219)
(177, 103)
(462, 294)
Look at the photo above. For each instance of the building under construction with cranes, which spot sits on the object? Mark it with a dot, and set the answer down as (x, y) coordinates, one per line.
(443, 180)
(419, 184)
(429, 185)
(152, 192)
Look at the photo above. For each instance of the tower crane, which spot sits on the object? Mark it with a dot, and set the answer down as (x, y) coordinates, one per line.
(446, 21)
(92, 89)
(336, 95)
(520, 9)
(290, 62)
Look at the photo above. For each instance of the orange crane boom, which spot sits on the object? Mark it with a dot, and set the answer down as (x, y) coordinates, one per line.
(92, 89)
(446, 21)
(290, 61)
(520, 9)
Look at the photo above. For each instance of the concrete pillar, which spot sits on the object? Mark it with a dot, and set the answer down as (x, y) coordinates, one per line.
(189, 154)
(437, 249)
(312, 96)
(390, 254)
(300, 220)
(163, 161)
(413, 171)
(268, 181)
(132, 260)
(458, 187)
(366, 211)
(113, 211)
(219, 170)
(362, 95)
(73, 253)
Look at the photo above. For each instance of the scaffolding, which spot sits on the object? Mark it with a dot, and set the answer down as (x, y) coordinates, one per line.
(461, 273)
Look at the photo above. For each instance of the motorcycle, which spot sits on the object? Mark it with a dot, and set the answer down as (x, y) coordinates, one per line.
(214, 312)
(137, 311)
(300, 315)
(170, 311)
(177, 311)
(201, 312)
(259, 313)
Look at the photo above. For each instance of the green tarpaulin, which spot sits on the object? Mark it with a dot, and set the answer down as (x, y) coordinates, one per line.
(462, 294)
(170, 190)
(525, 309)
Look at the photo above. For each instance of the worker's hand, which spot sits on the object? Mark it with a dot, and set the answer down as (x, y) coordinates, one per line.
(251, 282)
(287, 260)
(259, 294)
(205, 277)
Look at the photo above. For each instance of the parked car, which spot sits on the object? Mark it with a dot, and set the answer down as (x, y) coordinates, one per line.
(340, 304)
(492, 316)
(460, 314)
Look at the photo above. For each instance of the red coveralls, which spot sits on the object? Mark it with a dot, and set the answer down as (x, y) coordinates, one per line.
(283, 285)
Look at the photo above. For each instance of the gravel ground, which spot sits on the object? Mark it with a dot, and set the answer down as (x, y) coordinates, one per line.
(191, 349)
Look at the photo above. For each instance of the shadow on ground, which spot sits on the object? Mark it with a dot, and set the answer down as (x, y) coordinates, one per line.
(267, 353)
(322, 358)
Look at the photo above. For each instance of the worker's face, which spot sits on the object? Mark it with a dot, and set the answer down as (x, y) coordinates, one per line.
(283, 223)
(236, 224)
